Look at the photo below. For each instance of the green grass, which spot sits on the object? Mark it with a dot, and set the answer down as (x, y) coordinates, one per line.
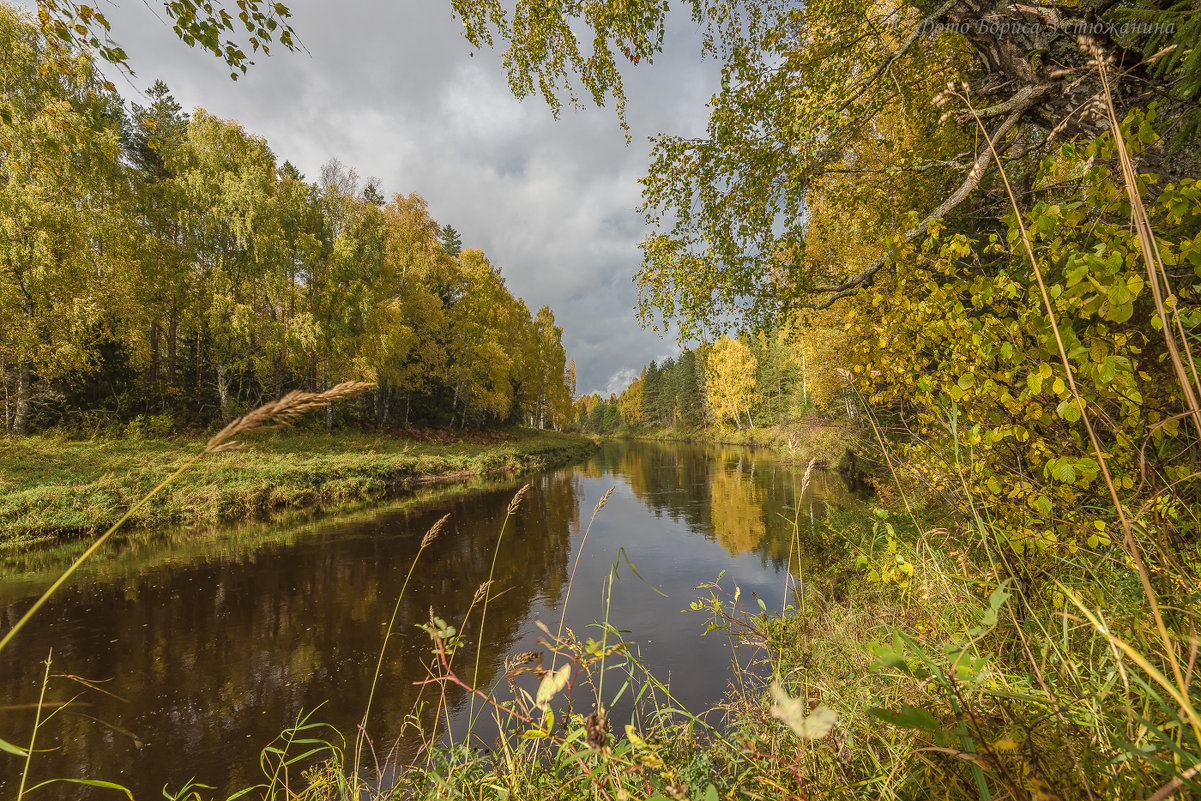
(52, 488)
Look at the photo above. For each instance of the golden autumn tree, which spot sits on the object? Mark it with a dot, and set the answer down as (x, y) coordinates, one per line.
(63, 197)
(730, 380)
(629, 402)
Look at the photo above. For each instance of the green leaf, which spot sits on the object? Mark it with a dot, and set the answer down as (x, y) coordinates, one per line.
(907, 717)
(89, 782)
(995, 601)
(1064, 472)
(1068, 410)
(1119, 293)
(8, 747)
(1121, 312)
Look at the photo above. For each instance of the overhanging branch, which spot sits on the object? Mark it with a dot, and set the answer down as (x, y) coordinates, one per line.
(1020, 102)
(892, 57)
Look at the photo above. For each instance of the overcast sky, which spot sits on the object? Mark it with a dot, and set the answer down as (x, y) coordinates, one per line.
(391, 89)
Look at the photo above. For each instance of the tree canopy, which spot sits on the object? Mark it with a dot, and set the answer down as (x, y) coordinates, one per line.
(160, 265)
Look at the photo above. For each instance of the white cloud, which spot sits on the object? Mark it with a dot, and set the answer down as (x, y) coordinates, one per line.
(620, 380)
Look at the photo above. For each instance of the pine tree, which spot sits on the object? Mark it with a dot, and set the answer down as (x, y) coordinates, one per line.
(452, 245)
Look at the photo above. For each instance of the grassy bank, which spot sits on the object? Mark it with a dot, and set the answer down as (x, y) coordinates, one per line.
(926, 657)
(54, 488)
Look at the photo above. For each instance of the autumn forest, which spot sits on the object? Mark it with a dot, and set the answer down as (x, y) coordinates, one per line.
(925, 480)
(165, 270)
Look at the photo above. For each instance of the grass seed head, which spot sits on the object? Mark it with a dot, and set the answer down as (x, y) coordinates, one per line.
(524, 658)
(284, 411)
(481, 592)
(808, 475)
(432, 534)
(604, 499)
(513, 504)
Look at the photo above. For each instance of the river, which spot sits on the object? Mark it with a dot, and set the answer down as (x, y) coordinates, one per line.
(184, 653)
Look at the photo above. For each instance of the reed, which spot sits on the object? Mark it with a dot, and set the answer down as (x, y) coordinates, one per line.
(426, 541)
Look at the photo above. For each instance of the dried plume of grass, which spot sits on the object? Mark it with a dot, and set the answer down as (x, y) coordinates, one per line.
(482, 591)
(807, 477)
(435, 529)
(516, 502)
(282, 413)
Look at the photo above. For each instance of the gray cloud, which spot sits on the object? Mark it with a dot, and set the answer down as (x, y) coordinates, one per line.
(391, 90)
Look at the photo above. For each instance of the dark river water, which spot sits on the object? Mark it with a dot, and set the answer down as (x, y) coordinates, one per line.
(183, 654)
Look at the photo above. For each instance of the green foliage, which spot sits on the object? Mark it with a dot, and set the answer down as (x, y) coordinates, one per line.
(209, 25)
(891, 566)
(452, 244)
(960, 349)
(1176, 28)
(161, 263)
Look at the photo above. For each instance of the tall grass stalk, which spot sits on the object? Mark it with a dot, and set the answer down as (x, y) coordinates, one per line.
(571, 579)
(479, 646)
(427, 540)
(37, 722)
(1156, 272)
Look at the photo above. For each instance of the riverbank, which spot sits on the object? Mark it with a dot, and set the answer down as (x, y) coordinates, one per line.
(798, 441)
(52, 488)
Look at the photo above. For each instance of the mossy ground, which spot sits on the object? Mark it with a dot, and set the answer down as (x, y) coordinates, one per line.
(53, 488)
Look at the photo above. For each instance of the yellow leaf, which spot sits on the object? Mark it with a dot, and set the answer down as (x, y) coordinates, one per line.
(551, 684)
(811, 726)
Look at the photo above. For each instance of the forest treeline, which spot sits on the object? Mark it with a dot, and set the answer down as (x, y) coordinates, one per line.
(160, 269)
(775, 375)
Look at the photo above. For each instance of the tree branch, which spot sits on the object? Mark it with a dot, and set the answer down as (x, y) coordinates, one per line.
(892, 57)
(1019, 104)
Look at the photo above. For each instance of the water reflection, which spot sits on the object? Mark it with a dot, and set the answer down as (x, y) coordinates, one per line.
(745, 499)
(201, 649)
